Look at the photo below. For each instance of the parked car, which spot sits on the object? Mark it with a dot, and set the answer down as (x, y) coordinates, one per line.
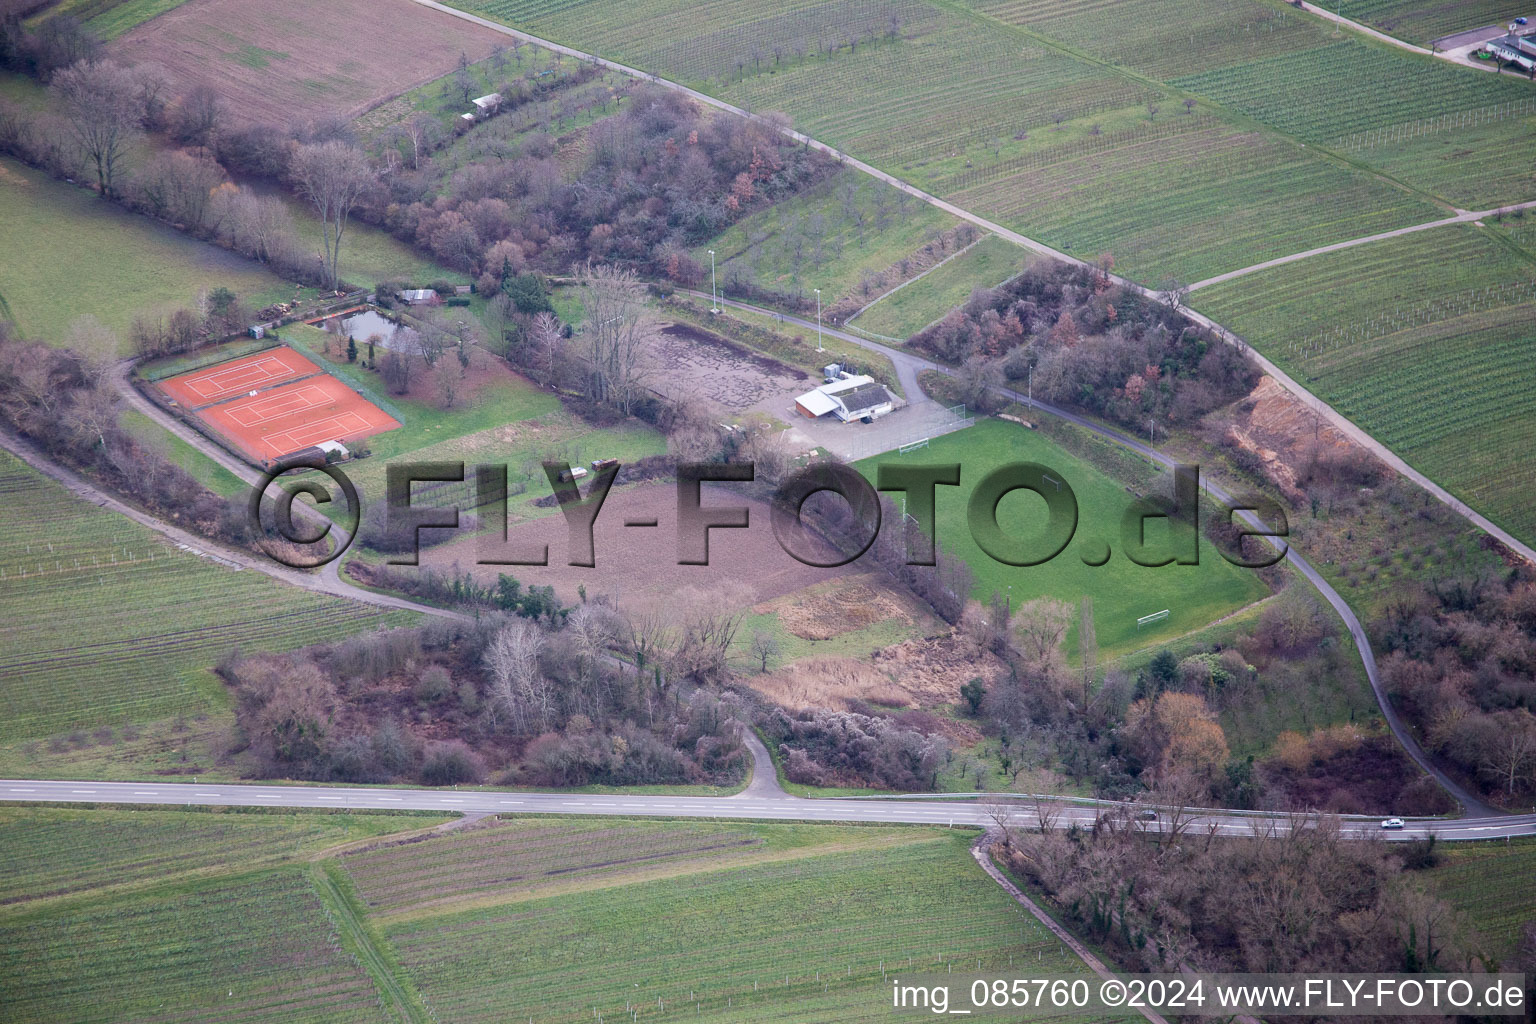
(1392, 823)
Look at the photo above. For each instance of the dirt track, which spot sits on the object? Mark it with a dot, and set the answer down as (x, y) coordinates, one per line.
(285, 61)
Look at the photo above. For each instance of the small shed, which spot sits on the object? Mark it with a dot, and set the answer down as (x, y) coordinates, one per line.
(420, 297)
(486, 105)
(814, 404)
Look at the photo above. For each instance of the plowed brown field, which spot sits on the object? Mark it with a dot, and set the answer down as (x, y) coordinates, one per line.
(287, 61)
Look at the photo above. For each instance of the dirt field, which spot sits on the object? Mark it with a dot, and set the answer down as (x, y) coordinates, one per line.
(638, 567)
(919, 673)
(285, 61)
(689, 363)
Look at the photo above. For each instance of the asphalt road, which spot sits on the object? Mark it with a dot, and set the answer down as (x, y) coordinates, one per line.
(745, 805)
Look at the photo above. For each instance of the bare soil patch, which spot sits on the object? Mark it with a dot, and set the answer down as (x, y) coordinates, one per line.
(281, 61)
(921, 673)
(637, 566)
(688, 363)
(830, 610)
(1283, 433)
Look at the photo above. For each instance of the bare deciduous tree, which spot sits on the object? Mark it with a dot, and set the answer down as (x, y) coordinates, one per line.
(619, 326)
(102, 107)
(518, 688)
(333, 176)
(1038, 628)
(765, 645)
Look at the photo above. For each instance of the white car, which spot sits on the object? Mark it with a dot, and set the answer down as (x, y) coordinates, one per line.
(1393, 823)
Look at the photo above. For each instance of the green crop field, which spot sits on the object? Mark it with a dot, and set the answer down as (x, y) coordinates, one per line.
(723, 922)
(1410, 117)
(86, 256)
(1122, 591)
(102, 622)
(817, 240)
(905, 312)
(1176, 37)
(52, 852)
(1419, 21)
(1491, 883)
(1429, 349)
(116, 915)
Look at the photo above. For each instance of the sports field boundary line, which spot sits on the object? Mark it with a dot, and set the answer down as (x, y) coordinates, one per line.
(155, 376)
(260, 390)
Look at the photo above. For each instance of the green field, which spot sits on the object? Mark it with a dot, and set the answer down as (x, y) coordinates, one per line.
(511, 422)
(1121, 590)
(103, 623)
(907, 311)
(1419, 21)
(721, 922)
(107, 19)
(1176, 37)
(1491, 883)
(53, 852)
(1019, 126)
(810, 241)
(1428, 348)
(1422, 121)
(89, 257)
(119, 915)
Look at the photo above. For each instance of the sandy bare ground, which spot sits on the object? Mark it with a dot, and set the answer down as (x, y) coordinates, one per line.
(637, 566)
(687, 363)
(287, 61)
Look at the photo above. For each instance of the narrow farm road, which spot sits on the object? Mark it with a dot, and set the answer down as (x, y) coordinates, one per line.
(982, 851)
(1464, 217)
(765, 778)
(1323, 409)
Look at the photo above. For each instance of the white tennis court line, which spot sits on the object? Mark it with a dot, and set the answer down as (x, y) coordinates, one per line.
(239, 378)
(340, 425)
(281, 404)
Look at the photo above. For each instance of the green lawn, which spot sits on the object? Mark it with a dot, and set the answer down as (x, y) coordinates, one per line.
(811, 241)
(721, 922)
(907, 311)
(203, 469)
(105, 624)
(85, 256)
(1121, 590)
(1428, 349)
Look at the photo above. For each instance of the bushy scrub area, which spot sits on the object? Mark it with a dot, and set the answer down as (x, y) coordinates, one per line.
(1461, 664)
(1085, 342)
(530, 697)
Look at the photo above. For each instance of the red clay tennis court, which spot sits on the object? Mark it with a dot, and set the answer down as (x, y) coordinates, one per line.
(241, 376)
(285, 419)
